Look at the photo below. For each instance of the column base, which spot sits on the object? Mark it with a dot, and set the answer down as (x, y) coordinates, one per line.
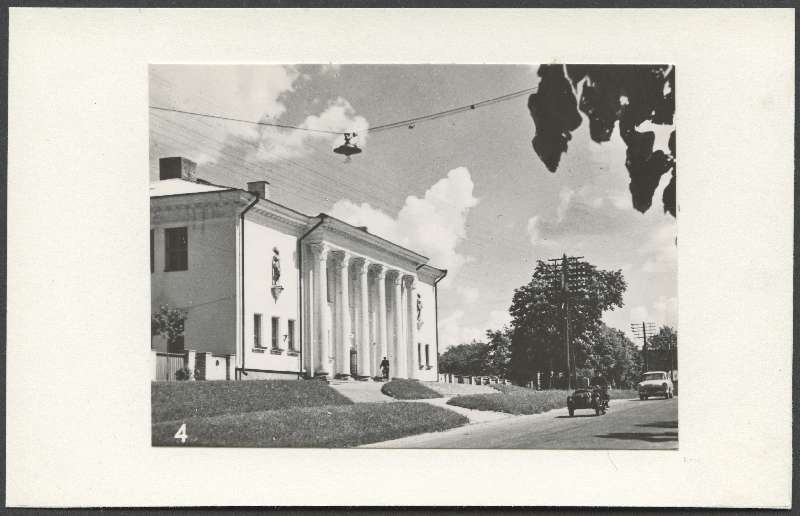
(342, 376)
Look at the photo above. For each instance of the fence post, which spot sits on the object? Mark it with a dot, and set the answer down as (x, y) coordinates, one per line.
(189, 361)
(229, 366)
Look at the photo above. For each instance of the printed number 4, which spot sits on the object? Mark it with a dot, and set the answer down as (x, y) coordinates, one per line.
(181, 433)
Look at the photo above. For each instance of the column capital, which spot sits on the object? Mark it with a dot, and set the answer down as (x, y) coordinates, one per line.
(410, 281)
(380, 270)
(343, 258)
(395, 277)
(320, 250)
(361, 264)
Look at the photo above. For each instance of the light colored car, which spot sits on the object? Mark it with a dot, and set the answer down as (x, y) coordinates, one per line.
(655, 383)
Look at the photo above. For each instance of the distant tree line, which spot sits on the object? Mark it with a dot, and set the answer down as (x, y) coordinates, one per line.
(533, 346)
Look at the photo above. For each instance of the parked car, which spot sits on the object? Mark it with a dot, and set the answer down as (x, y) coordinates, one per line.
(655, 383)
(586, 399)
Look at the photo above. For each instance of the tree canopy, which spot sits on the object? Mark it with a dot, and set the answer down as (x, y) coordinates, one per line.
(628, 94)
(538, 320)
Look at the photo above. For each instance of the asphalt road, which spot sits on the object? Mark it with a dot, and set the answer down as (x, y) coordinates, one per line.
(629, 424)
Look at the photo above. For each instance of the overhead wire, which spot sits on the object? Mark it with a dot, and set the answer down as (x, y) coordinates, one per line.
(373, 129)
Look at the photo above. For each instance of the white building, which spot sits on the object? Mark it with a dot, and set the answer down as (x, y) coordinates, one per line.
(289, 295)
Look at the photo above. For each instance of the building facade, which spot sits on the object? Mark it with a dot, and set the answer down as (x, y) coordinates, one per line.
(288, 294)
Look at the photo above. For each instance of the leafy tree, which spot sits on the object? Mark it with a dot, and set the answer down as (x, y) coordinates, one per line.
(499, 352)
(628, 94)
(659, 348)
(465, 359)
(615, 356)
(538, 320)
(169, 323)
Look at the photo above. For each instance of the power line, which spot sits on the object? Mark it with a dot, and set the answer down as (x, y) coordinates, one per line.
(231, 119)
(441, 114)
(410, 122)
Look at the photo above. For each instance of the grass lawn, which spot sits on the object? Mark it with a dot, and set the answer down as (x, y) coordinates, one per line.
(521, 400)
(323, 427)
(179, 400)
(408, 390)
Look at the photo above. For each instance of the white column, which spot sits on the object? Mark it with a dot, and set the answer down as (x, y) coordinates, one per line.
(382, 330)
(322, 324)
(343, 353)
(397, 361)
(362, 319)
(411, 328)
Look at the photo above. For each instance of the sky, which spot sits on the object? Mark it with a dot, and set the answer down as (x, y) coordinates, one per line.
(468, 191)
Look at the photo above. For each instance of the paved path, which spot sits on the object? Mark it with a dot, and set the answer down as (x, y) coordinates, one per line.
(629, 424)
(455, 389)
(370, 392)
(362, 392)
(474, 416)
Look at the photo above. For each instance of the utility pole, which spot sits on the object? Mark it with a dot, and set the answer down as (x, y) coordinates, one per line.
(568, 276)
(642, 332)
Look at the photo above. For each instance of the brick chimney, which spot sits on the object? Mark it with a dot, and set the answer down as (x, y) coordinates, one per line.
(176, 168)
(260, 188)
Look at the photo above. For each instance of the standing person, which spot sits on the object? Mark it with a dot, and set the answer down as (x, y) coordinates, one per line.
(385, 368)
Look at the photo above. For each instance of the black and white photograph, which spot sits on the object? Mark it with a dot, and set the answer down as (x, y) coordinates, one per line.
(400, 257)
(414, 256)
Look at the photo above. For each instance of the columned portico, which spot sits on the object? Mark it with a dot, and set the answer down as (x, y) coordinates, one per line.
(397, 361)
(342, 361)
(382, 330)
(411, 327)
(322, 325)
(362, 317)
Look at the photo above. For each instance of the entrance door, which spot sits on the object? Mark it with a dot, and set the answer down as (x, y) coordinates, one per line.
(353, 362)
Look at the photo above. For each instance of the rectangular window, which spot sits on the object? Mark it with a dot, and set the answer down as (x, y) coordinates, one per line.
(276, 328)
(257, 330)
(290, 331)
(427, 355)
(176, 249)
(152, 256)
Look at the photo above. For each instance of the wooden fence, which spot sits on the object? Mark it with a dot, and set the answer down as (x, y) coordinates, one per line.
(167, 364)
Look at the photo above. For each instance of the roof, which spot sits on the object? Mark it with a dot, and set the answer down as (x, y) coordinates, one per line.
(181, 186)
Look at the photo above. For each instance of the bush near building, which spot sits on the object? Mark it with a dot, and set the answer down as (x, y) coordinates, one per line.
(323, 427)
(178, 400)
(408, 390)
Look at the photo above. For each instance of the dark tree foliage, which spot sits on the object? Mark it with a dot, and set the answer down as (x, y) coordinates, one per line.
(613, 355)
(628, 94)
(538, 321)
(465, 359)
(499, 352)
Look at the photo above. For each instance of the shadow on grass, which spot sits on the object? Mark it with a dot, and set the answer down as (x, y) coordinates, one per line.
(576, 415)
(660, 437)
(661, 424)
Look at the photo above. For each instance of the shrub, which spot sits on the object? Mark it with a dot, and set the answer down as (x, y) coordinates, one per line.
(408, 390)
(327, 426)
(178, 400)
(185, 373)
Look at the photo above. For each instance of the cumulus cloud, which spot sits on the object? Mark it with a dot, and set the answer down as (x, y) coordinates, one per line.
(252, 93)
(564, 197)
(454, 329)
(243, 92)
(663, 312)
(433, 225)
(339, 116)
(498, 319)
(468, 294)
